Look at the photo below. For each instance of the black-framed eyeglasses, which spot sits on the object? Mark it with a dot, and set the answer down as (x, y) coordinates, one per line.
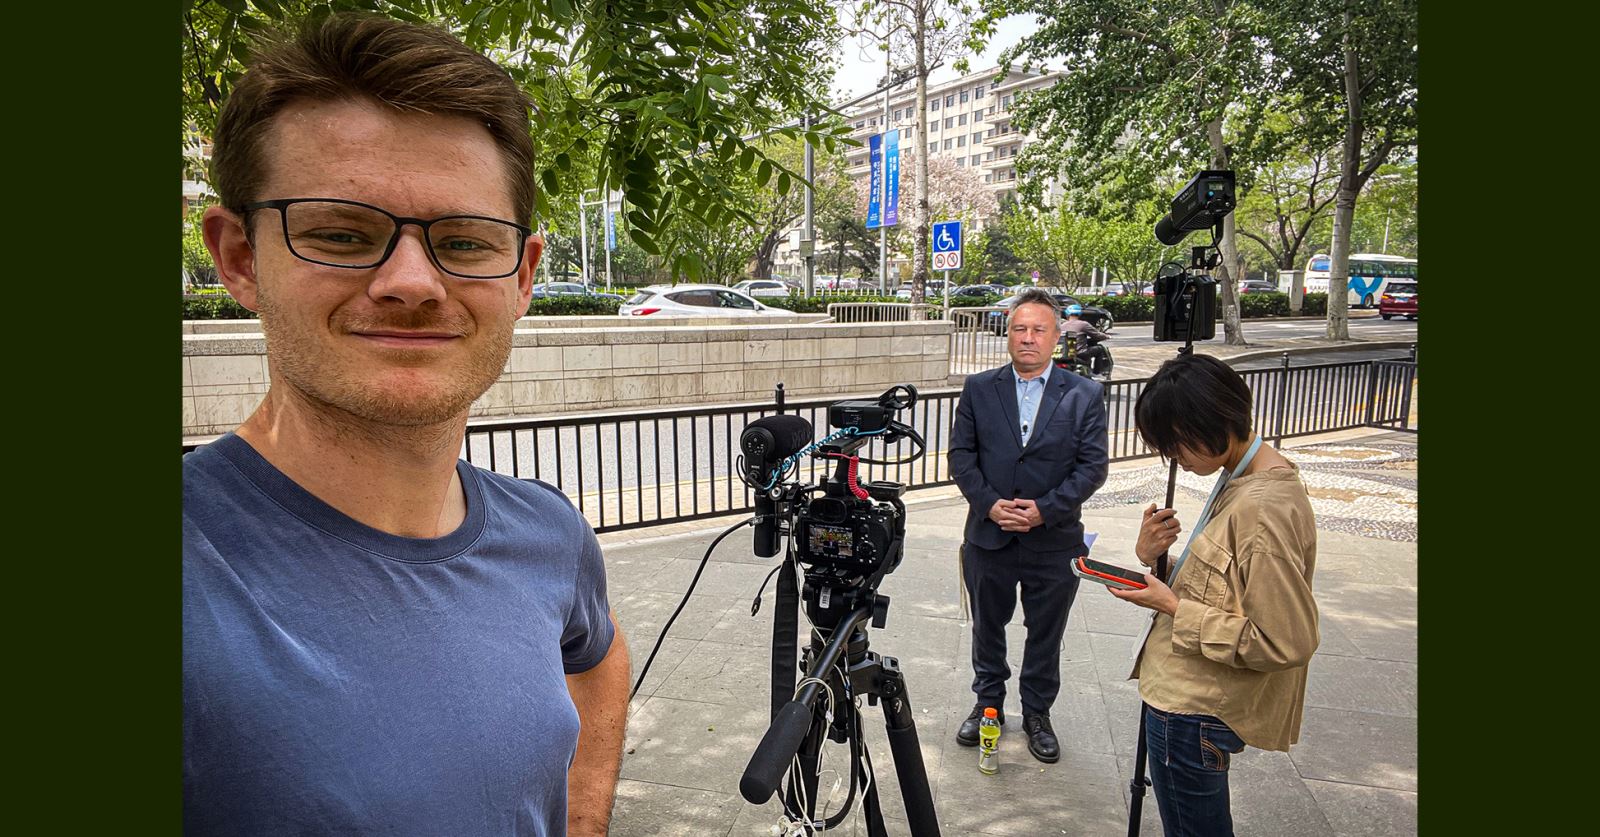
(341, 233)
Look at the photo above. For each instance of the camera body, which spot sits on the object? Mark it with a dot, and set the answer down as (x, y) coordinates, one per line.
(859, 538)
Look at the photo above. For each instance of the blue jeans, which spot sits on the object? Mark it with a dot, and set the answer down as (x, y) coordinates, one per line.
(1188, 757)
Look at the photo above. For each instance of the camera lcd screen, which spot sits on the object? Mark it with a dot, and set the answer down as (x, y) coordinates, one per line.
(832, 541)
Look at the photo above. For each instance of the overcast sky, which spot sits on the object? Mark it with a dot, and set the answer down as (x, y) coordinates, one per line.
(861, 68)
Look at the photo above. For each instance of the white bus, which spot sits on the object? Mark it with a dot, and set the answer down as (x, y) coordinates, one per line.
(1369, 274)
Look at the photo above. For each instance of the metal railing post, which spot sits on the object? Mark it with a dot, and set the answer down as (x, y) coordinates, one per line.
(1283, 390)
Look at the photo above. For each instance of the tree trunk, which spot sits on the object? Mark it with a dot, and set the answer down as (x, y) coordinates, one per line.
(1232, 329)
(919, 245)
(1344, 206)
(764, 254)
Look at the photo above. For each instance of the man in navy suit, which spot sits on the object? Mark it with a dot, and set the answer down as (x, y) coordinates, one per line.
(1028, 447)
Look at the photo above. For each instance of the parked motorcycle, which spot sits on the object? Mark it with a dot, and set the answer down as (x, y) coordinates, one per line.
(1082, 354)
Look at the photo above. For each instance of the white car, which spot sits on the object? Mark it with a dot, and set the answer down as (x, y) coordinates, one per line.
(763, 288)
(695, 301)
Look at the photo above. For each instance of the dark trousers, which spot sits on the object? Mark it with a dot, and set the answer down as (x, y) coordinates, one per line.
(1048, 587)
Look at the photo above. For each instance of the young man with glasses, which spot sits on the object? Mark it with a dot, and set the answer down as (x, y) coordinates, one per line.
(379, 637)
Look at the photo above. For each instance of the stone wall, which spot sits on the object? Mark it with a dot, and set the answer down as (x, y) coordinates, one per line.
(569, 370)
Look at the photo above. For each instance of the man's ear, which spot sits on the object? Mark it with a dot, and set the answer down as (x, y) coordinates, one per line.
(232, 253)
(534, 249)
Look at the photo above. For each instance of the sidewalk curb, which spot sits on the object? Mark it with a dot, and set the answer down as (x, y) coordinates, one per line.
(1308, 350)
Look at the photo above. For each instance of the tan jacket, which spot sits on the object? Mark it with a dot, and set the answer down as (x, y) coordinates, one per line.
(1246, 624)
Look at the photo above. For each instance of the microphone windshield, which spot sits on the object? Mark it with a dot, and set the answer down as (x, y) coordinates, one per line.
(775, 438)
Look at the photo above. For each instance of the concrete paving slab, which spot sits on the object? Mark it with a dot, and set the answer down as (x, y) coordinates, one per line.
(1357, 748)
(648, 809)
(1363, 685)
(1359, 811)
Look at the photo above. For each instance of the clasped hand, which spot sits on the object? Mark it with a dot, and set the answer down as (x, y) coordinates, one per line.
(1016, 515)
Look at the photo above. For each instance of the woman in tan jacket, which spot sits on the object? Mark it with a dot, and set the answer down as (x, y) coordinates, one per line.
(1223, 663)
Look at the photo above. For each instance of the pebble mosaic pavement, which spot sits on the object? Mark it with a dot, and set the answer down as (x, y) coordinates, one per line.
(1367, 489)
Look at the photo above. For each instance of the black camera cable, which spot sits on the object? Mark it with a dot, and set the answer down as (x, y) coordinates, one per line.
(705, 559)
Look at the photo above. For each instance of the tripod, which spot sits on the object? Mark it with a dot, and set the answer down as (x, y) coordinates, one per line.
(839, 665)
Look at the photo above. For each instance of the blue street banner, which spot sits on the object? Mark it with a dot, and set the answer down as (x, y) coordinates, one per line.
(611, 230)
(875, 190)
(891, 179)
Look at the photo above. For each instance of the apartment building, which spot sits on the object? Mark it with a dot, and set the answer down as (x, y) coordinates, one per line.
(969, 120)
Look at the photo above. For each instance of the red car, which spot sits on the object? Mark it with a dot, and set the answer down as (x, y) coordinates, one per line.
(1398, 299)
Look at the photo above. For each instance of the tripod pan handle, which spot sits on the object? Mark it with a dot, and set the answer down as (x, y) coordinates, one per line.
(772, 755)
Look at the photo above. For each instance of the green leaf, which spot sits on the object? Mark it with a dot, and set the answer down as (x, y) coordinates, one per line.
(552, 185)
(644, 241)
(717, 83)
(564, 161)
(783, 183)
(747, 159)
(561, 10)
(764, 173)
(642, 221)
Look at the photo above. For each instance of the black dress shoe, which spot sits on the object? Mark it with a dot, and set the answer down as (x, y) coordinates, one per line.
(967, 736)
(1041, 738)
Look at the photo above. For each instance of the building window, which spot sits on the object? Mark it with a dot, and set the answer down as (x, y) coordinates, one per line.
(950, 100)
(949, 121)
(933, 105)
(988, 155)
(861, 124)
(988, 178)
(1006, 102)
(961, 161)
(978, 93)
(932, 147)
(989, 133)
(964, 97)
(961, 142)
(961, 120)
(897, 114)
(948, 144)
(976, 159)
(977, 138)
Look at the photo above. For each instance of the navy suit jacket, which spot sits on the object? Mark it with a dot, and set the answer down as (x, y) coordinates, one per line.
(1064, 462)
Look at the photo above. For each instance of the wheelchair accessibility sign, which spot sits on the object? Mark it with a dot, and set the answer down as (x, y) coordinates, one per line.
(947, 245)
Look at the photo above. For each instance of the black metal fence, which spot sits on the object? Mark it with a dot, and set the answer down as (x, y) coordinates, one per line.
(628, 470)
(672, 465)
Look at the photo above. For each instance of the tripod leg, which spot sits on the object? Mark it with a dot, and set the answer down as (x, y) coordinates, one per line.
(901, 727)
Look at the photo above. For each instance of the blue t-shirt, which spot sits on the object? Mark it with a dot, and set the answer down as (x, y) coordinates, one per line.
(338, 679)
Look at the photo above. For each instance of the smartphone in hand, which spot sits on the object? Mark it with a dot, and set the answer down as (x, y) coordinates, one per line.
(1110, 575)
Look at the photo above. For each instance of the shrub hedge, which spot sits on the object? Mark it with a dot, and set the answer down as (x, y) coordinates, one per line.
(1124, 309)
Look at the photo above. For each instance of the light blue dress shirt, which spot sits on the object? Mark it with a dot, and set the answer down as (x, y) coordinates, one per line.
(1029, 393)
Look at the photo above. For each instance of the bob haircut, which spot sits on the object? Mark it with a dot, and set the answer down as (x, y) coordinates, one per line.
(1196, 402)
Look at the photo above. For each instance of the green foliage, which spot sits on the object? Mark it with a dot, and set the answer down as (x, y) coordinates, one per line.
(653, 101)
(1124, 308)
(555, 306)
(214, 307)
(1264, 305)
(1314, 305)
(196, 258)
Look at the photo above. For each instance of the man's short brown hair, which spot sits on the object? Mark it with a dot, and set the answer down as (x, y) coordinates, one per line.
(409, 67)
(1036, 296)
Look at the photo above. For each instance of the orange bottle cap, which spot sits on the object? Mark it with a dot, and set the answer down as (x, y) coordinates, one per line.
(990, 712)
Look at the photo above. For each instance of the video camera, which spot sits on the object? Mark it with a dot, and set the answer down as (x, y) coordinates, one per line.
(1186, 299)
(846, 534)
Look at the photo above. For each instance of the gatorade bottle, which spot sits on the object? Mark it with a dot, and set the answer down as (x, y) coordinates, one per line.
(989, 741)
